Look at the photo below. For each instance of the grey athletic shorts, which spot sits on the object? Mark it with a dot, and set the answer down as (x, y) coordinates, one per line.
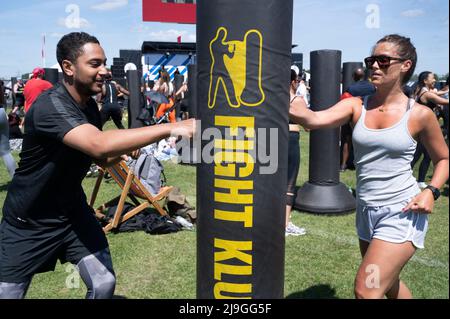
(390, 224)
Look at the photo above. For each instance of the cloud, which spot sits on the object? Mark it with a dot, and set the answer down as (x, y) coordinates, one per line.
(110, 5)
(74, 23)
(413, 13)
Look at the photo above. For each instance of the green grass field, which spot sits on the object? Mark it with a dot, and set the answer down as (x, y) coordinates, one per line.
(321, 264)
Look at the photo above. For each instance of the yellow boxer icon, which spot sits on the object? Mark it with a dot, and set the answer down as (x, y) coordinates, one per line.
(237, 66)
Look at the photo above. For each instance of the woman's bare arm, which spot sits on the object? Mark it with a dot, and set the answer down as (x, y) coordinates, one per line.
(337, 115)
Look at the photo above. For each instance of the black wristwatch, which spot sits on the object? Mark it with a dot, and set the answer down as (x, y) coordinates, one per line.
(435, 191)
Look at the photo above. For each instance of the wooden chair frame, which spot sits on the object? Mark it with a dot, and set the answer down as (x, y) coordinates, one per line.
(131, 187)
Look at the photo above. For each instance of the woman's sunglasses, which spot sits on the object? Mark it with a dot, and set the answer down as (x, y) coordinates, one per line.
(383, 61)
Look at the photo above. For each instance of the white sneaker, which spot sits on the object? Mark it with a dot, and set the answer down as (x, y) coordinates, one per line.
(422, 185)
(293, 230)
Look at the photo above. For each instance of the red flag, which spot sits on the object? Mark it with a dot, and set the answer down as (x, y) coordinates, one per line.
(179, 39)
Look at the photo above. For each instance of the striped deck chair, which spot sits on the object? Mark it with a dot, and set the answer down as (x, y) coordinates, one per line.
(131, 187)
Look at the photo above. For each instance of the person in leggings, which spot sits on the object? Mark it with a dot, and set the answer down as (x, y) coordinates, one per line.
(5, 151)
(392, 211)
(46, 217)
(293, 161)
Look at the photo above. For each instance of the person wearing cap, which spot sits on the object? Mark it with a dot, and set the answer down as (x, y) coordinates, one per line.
(35, 87)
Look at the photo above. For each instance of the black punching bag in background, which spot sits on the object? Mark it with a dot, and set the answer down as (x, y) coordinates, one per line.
(323, 193)
(51, 75)
(178, 80)
(134, 99)
(347, 73)
(13, 96)
(244, 58)
(191, 153)
(192, 89)
(297, 60)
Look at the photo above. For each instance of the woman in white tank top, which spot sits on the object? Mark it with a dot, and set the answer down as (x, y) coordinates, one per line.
(392, 213)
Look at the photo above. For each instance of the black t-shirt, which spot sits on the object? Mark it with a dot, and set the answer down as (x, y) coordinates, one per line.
(46, 188)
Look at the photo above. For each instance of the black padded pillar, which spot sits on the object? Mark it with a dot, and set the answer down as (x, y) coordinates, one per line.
(13, 96)
(324, 193)
(51, 75)
(191, 154)
(297, 59)
(244, 58)
(192, 89)
(134, 100)
(178, 80)
(347, 73)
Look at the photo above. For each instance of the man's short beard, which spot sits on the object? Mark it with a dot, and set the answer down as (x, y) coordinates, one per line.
(85, 90)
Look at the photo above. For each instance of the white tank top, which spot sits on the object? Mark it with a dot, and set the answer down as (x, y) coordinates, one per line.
(383, 161)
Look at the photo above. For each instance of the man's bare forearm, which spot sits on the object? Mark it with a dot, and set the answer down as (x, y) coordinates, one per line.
(114, 143)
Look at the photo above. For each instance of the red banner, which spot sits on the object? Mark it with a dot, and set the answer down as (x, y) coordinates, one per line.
(164, 11)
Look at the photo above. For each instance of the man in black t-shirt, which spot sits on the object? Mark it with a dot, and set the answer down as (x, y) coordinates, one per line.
(45, 213)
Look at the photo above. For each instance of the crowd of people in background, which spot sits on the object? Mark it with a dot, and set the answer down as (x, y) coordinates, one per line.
(111, 103)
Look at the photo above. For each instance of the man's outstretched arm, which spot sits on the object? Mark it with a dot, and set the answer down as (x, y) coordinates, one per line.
(102, 145)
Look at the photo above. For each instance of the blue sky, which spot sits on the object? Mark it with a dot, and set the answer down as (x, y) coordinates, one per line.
(352, 26)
